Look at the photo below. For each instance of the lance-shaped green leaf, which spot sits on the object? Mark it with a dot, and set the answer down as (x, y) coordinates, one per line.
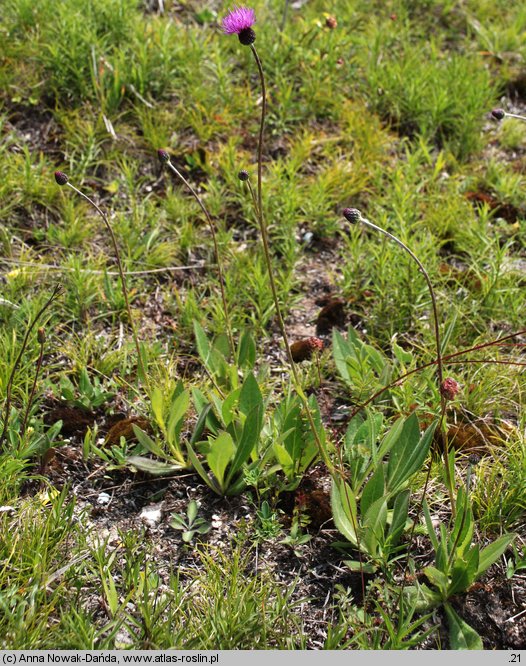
(249, 439)
(491, 553)
(221, 452)
(408, 453)
(153, 467)
(344, 510)
(461, 635)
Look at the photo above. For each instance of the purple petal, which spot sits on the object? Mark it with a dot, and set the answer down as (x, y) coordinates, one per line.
(238, 19)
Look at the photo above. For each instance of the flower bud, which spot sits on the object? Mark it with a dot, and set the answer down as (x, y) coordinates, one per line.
(41, 335)
(498, 114)
(352, 215)
(243, 175)
(331, 22)
(449, 388)
(163, 156)
(61, 178)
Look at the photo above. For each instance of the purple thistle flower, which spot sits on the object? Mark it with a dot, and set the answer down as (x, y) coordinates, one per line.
(239, 21)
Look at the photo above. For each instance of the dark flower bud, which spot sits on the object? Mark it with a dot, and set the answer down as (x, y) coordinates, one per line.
(247, 36)
(474, 459)
(41, 335)
(61, 178)
(331, 22)
(498, 114)
(352, 215)
(449, 388)
(163, 156)
(243, 175)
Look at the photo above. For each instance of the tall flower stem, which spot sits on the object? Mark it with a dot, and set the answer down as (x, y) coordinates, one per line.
(162, 156)
(142, 370)
(353, 215)
(41, 342)
(7, 406)
(358, 217)
(264, 236)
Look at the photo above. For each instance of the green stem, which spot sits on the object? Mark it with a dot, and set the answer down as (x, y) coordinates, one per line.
(264, 236)
(33, 389)
(216, 251)
(122, 276)
(7, 407)
(413, 256)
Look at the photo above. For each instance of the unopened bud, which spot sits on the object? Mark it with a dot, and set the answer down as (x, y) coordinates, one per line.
(352, 215)
(243, 175)
(163, 156)
(61, 178)
(498, 114)
(41, 335)
(331, 22)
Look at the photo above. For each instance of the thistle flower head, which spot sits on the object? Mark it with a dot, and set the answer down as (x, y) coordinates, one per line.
(61, 178)
(163, 156)
(352, 215)
(498, 114)
(243, 175)
(239, 21)
(449, 388)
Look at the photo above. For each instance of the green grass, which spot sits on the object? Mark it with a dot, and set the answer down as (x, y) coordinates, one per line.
(387, 113)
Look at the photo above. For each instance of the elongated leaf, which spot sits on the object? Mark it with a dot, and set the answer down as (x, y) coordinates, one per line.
(284, 460)
(191, 511)
(399, 519)
(461, 635)
(430, 528)
(250, 396)
(374, 524)
(148, 443)
(203, 346)
(491, 553)
(157, 402)
(408, 454)
(464, 572)
(178, 410)
(438, 578)
(249, 439)
(341, 350)
(247, 350)
(228, 407)
(221, 451)
(153, 467)
(373, 490)
(391, 437)
(196, 464)
(200, 425)
(344, 510)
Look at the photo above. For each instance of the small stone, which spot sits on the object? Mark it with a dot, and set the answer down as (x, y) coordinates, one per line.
(151, 515)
